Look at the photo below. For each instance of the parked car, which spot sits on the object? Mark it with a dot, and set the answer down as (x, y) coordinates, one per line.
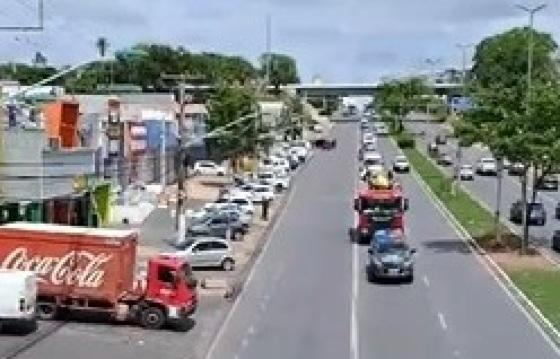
(516, 169)
(294, 161)
(444, 159)
(244, 203)
(466, 173)
(263, 192)
(400, 164)
(207, 252)
(556, 240)
(209, 168)
(441, 139)
(547, 183)
(220, 225)
(486, 166)
(537, 213)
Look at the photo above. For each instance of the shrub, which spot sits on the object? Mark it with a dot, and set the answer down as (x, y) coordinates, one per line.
(405, 140)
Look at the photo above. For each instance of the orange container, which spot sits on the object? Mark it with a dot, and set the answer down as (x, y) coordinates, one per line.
(61, 122)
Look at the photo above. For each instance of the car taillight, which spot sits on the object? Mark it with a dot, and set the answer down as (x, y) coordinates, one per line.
(22, 304)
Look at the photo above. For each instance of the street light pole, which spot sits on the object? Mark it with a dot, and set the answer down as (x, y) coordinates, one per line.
(531, 11)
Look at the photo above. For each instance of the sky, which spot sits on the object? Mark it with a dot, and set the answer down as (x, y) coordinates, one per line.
(336, 40)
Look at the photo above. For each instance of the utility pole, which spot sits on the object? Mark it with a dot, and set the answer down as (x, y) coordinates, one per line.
(268, 49)
(531, 11)
(459, 155)
(181, 154)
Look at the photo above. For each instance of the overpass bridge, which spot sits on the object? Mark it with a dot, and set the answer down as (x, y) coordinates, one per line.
(335, 90)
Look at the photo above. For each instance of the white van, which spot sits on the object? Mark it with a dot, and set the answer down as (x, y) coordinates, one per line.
(18, 295)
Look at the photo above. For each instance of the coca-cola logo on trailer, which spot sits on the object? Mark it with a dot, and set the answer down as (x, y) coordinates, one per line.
(80, 268)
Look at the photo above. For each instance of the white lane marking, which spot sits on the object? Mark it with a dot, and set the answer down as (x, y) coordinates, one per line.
(426, 281)
(354, 350)
(464, 236)
(245, 343)
(236, 356)
(222, 329)
(442, 321)
(251, 330)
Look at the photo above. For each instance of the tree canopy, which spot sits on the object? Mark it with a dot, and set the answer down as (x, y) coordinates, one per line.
(283, 69)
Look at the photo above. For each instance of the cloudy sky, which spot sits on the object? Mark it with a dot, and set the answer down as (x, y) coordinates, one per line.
(339, 40)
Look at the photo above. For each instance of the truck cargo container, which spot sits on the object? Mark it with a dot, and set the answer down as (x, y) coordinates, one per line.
(92, 269)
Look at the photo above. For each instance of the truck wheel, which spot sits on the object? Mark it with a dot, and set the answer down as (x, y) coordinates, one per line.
(47, 311)
(228, 265)
(152, 318)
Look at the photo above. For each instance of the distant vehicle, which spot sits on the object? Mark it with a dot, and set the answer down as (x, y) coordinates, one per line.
(444, 160)
(364, 123)
(557, 211)
(547, 183)
(263, 192)
(537, 213)
(207, 252)
(244, 203)
(441, 139)
(209, 168)
(368, 147)
(390, 260)
(381, 129)
(19, 295)
(400, 164)
(369, 139)
(372, 163)
(556, 240)
(486, 166)
(516, 169)
(466, 173)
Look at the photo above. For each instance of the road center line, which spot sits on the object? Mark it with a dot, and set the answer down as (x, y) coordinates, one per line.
(354, 348)
(426, 281)
(442, 321)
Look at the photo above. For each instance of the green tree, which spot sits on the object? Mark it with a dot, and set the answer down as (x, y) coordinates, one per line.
(283, 69)
(504, 118)
(228, 104)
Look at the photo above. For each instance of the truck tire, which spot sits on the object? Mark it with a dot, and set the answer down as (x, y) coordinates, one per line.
(371, 278)
(152, 318)
(47, 311)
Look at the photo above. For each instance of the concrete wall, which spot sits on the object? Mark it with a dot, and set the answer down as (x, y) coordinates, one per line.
(30, 171)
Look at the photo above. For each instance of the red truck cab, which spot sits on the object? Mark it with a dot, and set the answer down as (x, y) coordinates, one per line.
(170, 293)
(379, 208)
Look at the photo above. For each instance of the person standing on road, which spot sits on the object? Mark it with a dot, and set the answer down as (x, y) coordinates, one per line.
(265, 206)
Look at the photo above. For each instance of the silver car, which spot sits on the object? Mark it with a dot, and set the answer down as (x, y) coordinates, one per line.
(207, 252)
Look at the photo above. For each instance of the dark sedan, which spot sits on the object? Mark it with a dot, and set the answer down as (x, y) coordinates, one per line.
(547, 183)
(537, 213)
(556, 240)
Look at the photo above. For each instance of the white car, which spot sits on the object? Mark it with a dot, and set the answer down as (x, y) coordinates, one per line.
(381, 129)
(300, 152)
(373, 162)
(263, 192)
(266, 177)
(209, 168)
(369, 139)
(281, 165)
(486, 166)
(245, 205)
(207, 252)
(400, 164)
(466, 173)
(281, 182)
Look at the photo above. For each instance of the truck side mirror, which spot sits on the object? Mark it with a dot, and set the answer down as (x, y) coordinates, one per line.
(356, 204)
(405, 204)
(370, 251)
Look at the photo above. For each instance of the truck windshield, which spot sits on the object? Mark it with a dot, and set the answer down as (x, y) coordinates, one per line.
(381, 206)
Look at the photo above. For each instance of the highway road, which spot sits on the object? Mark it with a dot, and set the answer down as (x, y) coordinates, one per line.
(484, 187)
(308, 296)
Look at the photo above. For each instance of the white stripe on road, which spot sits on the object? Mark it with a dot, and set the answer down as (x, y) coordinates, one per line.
(442, 321)
(426, 281)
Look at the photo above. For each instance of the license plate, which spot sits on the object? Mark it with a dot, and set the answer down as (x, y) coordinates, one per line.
(393, 271)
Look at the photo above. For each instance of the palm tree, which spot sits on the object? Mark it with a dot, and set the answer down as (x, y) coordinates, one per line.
(102, 45)
(39, 59)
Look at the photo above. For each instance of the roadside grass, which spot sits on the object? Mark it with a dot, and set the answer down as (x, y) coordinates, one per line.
(542, 287)
(540, 284)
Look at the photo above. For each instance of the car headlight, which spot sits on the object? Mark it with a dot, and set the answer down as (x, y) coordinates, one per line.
(407, 264)
(376, 262)
(364, 230)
